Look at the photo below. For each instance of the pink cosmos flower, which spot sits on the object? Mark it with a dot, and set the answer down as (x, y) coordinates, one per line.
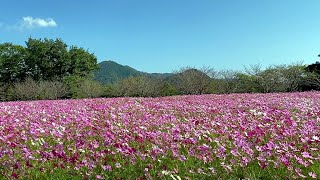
(312, 175)
(298, 171)
(306, 155)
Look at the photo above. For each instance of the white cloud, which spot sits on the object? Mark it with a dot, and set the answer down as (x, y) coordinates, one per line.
(30, 22)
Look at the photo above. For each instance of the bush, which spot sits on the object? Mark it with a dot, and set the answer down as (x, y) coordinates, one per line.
(110, 91)
(81, 87)
(37, 90)
(140, 86)
(3, 90)
(90, 89)
(167, 89)
(52, 89)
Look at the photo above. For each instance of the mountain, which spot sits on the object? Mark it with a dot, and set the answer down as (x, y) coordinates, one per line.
(159, 75)
(111, 72)
(187, 74)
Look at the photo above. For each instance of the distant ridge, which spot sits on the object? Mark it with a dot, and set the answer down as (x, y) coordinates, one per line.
(110, 72)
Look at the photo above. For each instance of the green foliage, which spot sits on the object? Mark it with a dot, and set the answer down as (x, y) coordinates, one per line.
(47, 59)
(225, 83)
(314, 68)
(46, 62)
(3, 92)
(52, 63)
(167, 89)
(83, 63)
(110, 91)
(82, 87)
(12, 63)
(73, 83)
(281, 78)
(246, 83)
(312, 79)
(90, 89)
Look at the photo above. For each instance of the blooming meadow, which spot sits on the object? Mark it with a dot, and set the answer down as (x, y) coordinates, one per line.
(266, 136)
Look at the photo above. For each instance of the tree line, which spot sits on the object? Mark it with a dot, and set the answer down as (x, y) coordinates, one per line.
(43, 69)
(276, 78)
(50, 69)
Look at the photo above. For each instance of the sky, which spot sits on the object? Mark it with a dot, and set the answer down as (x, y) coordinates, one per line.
(165, 35)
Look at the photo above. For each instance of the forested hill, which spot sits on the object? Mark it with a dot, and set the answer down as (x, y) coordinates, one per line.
(110, 72)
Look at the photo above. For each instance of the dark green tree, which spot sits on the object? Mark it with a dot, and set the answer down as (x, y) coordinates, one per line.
(47, 59)
(246, 83)
(312, 80)
(51, 59)
(12, 63)
(314, 68)
(167, 89)
(83, 63)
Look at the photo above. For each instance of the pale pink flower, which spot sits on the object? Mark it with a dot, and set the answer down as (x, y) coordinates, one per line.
(312, 175)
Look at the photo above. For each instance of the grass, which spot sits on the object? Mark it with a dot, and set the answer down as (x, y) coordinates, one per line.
(162, 168)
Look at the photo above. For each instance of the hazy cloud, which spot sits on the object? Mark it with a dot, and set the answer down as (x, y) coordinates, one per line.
(29, 22)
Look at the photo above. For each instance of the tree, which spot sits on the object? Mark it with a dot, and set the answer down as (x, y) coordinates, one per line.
(193, 81)
(314, 68)
(51, 59)
(294, 75)
(47, 59)
(90, 89)
(140, 86)
(253, 69)
(167, 89)
(225, 82)
(281, 78)
(35, 90)
(246, 83)
(83, 63)
(312, 80)
(12, 63)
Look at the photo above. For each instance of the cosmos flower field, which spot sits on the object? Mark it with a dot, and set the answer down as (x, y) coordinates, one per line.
(266, 136)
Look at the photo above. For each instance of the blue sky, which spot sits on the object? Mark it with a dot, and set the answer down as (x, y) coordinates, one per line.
(163, 35)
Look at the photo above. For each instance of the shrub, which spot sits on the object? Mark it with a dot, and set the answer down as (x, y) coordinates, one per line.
(81, 87)
(140, 86)
(37, 90)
